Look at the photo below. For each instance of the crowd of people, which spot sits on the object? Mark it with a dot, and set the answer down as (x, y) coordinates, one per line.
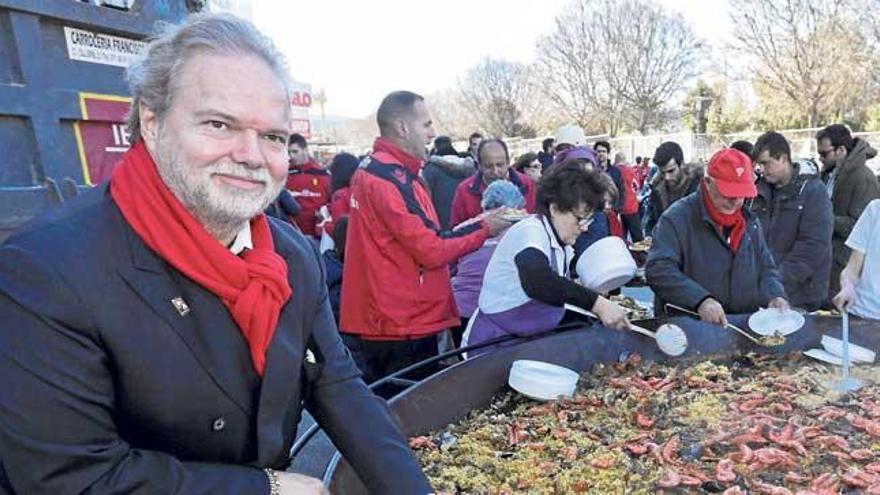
(163, 331)
(755, 227)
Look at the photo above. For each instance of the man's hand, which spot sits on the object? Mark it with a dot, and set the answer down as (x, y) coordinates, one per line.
(297, 484)
(611, 314)
(779, 303)
(495, 222)
(846, 297)
(711, 311)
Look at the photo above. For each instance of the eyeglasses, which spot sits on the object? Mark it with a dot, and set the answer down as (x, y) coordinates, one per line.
(824, 153)
(584, 220)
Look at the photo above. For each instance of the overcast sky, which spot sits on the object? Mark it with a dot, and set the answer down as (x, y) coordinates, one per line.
(358, 51)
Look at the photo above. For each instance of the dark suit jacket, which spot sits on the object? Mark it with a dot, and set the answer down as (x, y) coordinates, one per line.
(107, 387)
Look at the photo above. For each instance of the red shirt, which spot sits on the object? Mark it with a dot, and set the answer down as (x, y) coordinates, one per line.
(469, 194)
(642, 174)
(630, 179)
(310, 185)
(615, 227)
(340, 206)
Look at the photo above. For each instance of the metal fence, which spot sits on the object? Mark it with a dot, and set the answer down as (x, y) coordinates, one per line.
(700, 147)
(696, 147)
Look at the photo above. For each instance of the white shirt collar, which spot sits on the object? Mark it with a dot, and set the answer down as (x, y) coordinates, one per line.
(242, 240)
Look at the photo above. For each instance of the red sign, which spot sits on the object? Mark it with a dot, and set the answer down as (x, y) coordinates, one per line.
(301, 99)
(100, 135)
(303, 127)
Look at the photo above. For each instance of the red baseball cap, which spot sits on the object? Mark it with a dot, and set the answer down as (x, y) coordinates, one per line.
(733, 174)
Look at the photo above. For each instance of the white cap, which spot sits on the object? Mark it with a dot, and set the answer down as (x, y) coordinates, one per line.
(570, 134)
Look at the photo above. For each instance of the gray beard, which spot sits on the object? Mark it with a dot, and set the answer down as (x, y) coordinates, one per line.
(222, 213)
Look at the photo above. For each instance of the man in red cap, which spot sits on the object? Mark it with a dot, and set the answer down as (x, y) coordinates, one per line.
(709, 254)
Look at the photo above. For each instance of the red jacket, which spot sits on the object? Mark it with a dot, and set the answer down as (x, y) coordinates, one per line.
(469, 194)
(630, 179)
(615, 227)
(340, 206)
(395, 283)
(310, 185)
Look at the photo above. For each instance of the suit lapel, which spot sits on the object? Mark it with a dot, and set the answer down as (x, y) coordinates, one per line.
(216, 347)
(278, 395)
(282, 378)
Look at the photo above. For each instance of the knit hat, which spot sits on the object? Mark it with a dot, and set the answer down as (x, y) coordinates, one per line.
(581, 152)
(668, 151)
(502, 193)
(570, 134)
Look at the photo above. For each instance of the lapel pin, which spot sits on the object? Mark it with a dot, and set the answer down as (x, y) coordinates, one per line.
(310, 356)
(180, 305)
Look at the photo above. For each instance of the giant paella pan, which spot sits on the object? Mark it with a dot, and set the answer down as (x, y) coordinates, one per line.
(726, 417)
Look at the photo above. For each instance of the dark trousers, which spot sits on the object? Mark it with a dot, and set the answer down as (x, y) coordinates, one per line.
(633, 225)
(458, 332)
(379, 358)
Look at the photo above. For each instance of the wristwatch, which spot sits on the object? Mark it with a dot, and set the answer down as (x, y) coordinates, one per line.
(274, 482)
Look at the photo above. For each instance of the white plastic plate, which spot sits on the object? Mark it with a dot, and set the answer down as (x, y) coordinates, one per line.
(768, 321)
(857, 353)
(824, 356)
(542, 381)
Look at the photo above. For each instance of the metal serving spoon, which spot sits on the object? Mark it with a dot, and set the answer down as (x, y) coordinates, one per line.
(764, 341)
(670, 338)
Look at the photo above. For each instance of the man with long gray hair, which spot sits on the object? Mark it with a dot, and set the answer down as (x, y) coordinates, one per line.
(160, 334)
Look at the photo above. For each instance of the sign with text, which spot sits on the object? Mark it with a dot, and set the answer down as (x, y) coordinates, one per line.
(98, 48)
(100, 135)
(300, 102)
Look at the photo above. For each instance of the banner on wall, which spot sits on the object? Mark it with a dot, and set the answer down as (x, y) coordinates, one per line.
(101, 137)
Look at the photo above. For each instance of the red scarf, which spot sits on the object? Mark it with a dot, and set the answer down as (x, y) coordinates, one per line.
(735, 221)
(253, 286)
(385, 147)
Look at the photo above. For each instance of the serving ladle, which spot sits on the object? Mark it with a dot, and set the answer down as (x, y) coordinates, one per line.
(670, 338)
(764, 341)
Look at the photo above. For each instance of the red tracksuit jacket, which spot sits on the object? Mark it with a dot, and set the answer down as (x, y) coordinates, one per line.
(310, 185)
(395, 283)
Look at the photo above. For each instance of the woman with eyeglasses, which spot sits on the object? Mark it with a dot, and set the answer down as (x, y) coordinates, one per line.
(527, 283)
(530, 165)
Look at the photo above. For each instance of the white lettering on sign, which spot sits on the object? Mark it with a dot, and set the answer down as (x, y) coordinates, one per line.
(120, 140)
(99, 48)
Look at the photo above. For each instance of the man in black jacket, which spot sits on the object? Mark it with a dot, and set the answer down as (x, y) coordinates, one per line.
(160, 335)
(851, 185)
(795, 212)
(709, 254)
(673, 181)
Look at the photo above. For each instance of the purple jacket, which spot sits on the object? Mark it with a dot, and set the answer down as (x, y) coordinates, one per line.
(468, 280)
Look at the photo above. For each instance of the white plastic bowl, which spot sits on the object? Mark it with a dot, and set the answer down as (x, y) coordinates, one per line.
(542, 381)
(606, 265)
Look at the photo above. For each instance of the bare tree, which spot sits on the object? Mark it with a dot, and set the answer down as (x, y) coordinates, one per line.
(651, 55)
(495, 91)
(812, 59)
(618, 63)
(451, 117)
(572, 79)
